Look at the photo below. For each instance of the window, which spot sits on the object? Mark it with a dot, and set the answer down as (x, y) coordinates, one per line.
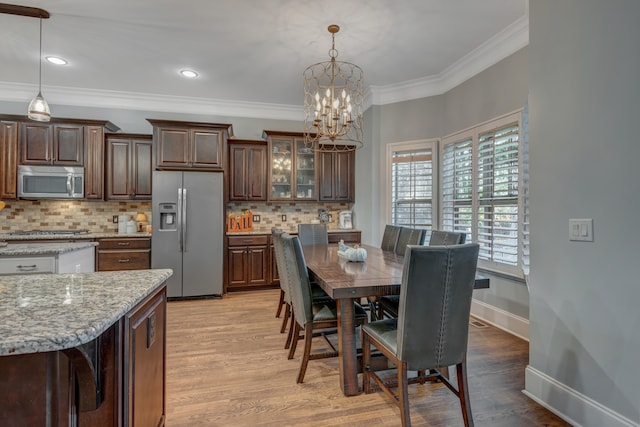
(411, 169)
(481, 191)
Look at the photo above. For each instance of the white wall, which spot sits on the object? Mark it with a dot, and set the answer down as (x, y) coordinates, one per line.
(584, 144)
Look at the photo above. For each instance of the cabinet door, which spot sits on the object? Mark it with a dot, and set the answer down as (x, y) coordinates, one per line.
(256, 173)
(238, 160)
(68, 145)
(36, 144)
(258, 271)
(118, 170)
(172, 147)
(8, 159)
(206, 149)
(281, 168)
(94, 163)
(305, 169)
(275, 277)
(145, 375)
(237, 266)
(141, 170)
(337, 174)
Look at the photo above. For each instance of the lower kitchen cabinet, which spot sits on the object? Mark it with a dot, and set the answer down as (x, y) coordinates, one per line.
(349, 237)
(247, 262)
(130, 253)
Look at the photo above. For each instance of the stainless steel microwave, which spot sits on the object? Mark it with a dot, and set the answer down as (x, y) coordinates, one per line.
(50, 182)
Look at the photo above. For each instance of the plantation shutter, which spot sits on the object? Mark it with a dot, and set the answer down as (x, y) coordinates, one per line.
(412, 188)
(457, 187)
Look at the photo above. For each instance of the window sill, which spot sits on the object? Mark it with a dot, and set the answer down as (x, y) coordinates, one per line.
(510, 276)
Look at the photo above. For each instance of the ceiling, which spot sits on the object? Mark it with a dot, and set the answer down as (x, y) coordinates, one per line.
(250, 54)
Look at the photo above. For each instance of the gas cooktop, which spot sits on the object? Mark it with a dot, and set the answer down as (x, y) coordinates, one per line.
(49, 233)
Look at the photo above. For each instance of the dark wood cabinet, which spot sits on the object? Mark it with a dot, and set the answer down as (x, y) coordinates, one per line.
(131, 253)
(144, 348)
(275, 276)
(57, 144)
(348, 237)
(247, 171)
(8, 159)
(292, 167)
(94, 163)
(247, 262)
(337, 176)
(189, 145)
(129, 167)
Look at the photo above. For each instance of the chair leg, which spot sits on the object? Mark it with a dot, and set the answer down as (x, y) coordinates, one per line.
(287, 312)
(403, 395)
(280, 303)
(366, 362)
(294, 340)
(287, 344)
(308, 337)
(463, 393)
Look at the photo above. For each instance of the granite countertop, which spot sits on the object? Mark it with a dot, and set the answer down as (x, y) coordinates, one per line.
(49, 312)
(53, 248)
(87, 236)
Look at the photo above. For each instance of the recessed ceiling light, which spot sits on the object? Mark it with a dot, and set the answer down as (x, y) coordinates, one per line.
(190, 74)
(56, 60)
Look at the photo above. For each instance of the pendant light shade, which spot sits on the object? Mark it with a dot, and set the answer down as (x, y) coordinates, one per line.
(38, 107)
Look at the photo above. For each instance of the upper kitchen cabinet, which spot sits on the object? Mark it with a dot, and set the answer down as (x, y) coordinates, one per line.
(8, 159)
(247, 170)
(51, 144)
(292, 167)
(337, 176)
(189, 145)
(129, 167)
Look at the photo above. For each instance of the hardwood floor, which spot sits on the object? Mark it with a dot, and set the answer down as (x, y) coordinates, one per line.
(226, 366)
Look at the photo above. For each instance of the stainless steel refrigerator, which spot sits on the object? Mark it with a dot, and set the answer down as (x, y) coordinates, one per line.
(187, 224)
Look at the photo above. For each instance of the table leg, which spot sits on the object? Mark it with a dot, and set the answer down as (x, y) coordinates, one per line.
(347, 352)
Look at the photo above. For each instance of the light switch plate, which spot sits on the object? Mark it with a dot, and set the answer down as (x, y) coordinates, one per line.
(581, 229)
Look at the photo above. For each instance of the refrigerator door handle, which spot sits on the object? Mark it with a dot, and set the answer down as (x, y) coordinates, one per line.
(179, 219)
(184, 220)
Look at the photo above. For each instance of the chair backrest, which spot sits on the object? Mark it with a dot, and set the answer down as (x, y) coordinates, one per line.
(435, 302)
(390, 237)
(276, 238)
(297, 278)
(442, 238)
(313, 234)
(409, 236)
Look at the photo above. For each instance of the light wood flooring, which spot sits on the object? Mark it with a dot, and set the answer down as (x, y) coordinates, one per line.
(226, 366)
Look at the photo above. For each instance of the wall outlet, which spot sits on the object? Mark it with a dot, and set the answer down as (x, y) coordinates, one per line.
(256, 218)
(284, 217)
(77, 268)
(115, 219)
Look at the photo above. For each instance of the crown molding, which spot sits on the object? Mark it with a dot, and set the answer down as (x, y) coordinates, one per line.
(508, 41)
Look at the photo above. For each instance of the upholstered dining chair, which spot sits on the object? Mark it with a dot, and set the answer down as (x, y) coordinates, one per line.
(388, 304)
(390, 237)
(309, 316)
(409, 236)
(432, 327)
(317, 294)
(313, 234)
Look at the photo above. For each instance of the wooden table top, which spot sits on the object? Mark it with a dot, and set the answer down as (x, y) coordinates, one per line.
(380, 274)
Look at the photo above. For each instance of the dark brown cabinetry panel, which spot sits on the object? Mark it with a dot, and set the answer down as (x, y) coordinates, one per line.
(248, 262)
(129, 167)
(189, 145)
(337, 176)
(8, 159)
(94, 163)
(145, 349)
(45, 144)
(349, 237)
(247, 171)
(132, 253)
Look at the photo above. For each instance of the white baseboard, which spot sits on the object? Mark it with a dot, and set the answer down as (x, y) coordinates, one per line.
(570, 405)
(515, 325)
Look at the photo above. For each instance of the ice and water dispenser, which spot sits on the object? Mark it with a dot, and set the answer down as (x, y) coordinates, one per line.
(168, 216)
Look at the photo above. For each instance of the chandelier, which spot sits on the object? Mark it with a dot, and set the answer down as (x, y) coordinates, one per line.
(333, 103)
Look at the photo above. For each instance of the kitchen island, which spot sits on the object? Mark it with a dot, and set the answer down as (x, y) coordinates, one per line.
(54, 257)
(83, 349)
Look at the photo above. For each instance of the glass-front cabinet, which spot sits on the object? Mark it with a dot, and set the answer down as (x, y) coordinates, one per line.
(292, 172)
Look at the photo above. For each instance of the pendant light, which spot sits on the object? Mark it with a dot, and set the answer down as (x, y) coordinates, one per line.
(38, 107)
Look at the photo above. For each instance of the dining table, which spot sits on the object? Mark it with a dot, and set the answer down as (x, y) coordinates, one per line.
(348, 282)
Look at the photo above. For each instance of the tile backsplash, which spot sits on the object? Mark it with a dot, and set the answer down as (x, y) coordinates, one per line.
(96, 217)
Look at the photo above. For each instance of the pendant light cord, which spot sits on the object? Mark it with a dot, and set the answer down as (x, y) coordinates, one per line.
(40, 62)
